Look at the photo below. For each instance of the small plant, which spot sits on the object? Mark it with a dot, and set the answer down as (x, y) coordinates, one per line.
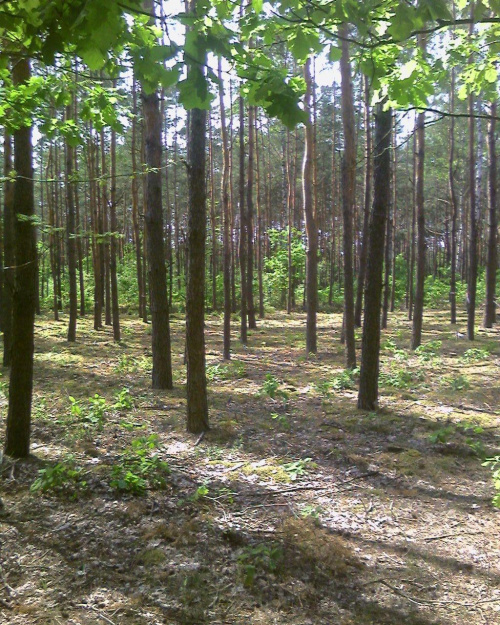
(281, 420)
(345, 380)
(75, 409)
(474, 355)
(123, 400)
(494, 464)
(428, 351)
(442, 435)
(310, 511)
(217, 372)
(96, 413)
(298, 468)
(271, 385)
(138, 469)
(59, 478)
(263, 558)
(401, 378)
(200, 492)
(459, 382)
(391, 347)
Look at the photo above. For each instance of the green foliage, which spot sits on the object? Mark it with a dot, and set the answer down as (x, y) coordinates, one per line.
(401, 377)
(281, 420)
(276, 265)
(428, 351)
(298, 468)
(257, 559)
(474, 354)
(345, 380)
(494, 464)
(271, 387)
(62, 478)
(397, 354)
(139, 469)
(457, 382)
(123, 400)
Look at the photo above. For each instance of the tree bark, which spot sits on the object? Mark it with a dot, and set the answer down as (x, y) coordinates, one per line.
(71, 234)
(367, 202)
(9, 252)
(348, 192)
(368, 383)
(492, 253)
(243, 228)
(197, 403)
(115, 308)
(310, 220)
(226, 213)
(17, 437)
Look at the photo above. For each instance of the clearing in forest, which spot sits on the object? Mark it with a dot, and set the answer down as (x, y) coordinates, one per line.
(296, 508)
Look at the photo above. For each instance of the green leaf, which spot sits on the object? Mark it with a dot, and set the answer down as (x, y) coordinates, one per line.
(334, 54)
(257, 5)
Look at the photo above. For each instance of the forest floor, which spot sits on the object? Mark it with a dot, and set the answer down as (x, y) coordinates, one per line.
(296, 508)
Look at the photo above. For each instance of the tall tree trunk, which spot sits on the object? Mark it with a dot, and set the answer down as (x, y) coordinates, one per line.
(243, 227)
(213, 219)
(454, 206)
(368, 382)
(259, 222)
(115, 309)
(197, 403)
(226, 214)
(418, 308)
(473, 239)
(17, 436)
(367, 201)
(9, 251)
(135, 207)
(252, 324)
(160, 314)
(310, 220)
(394, 212)
(348, 192)
(71, 234)
(492, 254)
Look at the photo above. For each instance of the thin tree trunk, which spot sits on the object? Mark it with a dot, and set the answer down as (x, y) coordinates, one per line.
(454, 206)
(418, 309)
(71, 233)
(243, 227)
(310, 220)
(368, 382)
(252, 324)
(492, 254)
(367, 202)
(348, 191)
(17, 435)
(135, 207)
(473, 239)
(9, 252)
(115, 309)
(160, 314)
(226, 213)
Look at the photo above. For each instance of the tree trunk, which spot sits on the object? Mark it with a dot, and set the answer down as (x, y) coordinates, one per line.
(226, 213)
(368, 383)
(252, 324)
(115, 308)
(243, 227)
(454, 206)
(473, 239)
(71, 234)
(9, 252)
(367, 202)
(310, 220)
(197, 404)
(17, 436)
(492, 257)
(160, 315)
(348, 192)
(135, 207)
(418, 307)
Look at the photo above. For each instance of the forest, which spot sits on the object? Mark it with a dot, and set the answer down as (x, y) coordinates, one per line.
(248, 307)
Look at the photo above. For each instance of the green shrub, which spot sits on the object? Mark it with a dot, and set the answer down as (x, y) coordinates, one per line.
(63, 477)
